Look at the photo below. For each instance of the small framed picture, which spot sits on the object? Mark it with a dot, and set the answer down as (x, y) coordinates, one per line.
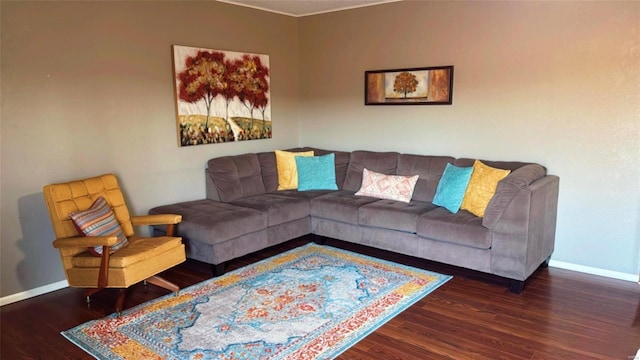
(414, 86)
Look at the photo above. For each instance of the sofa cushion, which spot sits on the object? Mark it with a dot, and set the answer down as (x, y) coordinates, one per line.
(236, 176)
(316, 172)
(395, 215)
(391, 187)
(339, 205)
(287, 169)
(213, 221)
(270, 172)
(381, 162)
(461, 228)
(430, 169)
(452, 187)
(481, 188)
(279, 208)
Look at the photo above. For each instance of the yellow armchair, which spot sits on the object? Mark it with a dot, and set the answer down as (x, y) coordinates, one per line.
(141, 260)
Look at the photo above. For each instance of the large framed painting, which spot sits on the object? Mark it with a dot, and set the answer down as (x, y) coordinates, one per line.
(415, 86)
(221, 96)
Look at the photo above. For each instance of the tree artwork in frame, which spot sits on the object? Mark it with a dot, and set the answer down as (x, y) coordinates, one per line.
(415, 86)
(221, 96)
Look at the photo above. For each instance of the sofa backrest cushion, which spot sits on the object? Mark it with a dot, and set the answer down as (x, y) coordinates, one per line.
(341, 160)
(430, 169)
(269, 170)
(506, 165)
(380, 162)
(236, 176)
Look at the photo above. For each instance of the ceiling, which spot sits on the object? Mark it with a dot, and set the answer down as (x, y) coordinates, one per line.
(300, 8)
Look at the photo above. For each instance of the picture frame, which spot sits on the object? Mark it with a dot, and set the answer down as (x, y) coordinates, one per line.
(412, 86)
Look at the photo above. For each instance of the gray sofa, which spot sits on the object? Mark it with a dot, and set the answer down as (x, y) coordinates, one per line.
(244, 212)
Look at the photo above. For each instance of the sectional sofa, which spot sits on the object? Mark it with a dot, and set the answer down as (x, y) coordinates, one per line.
(244, 212)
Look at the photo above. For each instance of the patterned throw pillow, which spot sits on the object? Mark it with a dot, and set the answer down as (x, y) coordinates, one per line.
(390, 187)
(482, 185)
(99, 220)
(287, 170)
(316, 172)
(452, 187)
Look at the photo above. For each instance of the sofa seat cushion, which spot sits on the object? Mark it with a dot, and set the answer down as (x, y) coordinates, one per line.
(279, 208)
(339, 205)
(212, 221)
(461, 228)
(393, 215)
(304, 194)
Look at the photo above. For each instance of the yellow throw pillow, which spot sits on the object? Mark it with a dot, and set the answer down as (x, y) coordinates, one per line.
(481, 188)
(287, 169)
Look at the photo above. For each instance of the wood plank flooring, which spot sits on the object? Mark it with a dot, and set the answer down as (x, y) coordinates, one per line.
(560, 315)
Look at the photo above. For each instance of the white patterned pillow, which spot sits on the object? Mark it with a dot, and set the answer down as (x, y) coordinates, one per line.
(391, 187)
(99, 220)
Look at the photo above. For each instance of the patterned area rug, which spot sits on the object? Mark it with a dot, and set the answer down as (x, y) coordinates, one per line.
(313, 302)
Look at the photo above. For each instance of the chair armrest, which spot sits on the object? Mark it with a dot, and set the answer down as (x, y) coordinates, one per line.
(85, 241)
(90, 241)
(156, 219)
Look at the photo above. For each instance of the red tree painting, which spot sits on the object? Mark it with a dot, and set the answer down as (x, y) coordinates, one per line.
(218, 93)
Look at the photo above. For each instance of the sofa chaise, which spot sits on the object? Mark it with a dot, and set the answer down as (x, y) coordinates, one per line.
(244, 212)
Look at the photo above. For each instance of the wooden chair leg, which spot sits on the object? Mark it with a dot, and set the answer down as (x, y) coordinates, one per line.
(89, 292)
(120, 302)
(163, 283)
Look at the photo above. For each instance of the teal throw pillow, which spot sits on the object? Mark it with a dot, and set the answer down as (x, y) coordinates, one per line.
(316, 172)
(452, 187)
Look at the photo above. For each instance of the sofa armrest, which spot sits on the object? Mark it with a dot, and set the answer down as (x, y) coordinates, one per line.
(507, 189)
(524, 235)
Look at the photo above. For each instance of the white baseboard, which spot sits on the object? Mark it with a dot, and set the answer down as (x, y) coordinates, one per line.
(33, 292)
(594, 271)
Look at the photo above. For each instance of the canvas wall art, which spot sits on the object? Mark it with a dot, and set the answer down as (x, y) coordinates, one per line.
(221, 96)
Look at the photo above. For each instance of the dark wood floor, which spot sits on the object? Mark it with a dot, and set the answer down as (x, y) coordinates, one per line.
(560, 315)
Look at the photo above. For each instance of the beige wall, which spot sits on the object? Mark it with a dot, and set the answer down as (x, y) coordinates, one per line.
(87, 88)
(551, 82)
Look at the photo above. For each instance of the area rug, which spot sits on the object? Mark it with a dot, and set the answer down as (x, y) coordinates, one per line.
(313, 302)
